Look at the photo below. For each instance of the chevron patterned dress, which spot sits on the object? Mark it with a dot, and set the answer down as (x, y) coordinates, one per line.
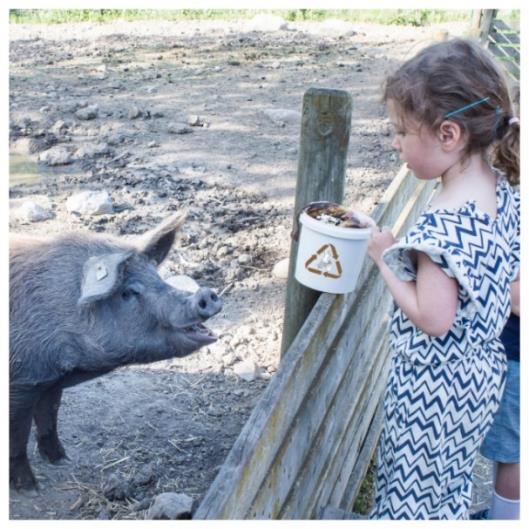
(443, 391)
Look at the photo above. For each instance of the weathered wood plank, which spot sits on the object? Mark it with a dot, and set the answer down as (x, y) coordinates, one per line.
(325, 131)
(332, 513)
(294, 457)
(329, 452)
(487, 16)
(365, 456)
(504, 43)
(347, 457)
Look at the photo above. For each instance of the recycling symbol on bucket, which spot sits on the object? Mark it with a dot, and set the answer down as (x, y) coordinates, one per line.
(325, 262)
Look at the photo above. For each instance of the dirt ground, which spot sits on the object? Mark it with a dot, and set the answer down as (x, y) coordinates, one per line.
(164, 116)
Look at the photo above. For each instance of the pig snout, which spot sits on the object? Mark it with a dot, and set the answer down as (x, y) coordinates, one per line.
(196, 308)
(205, 303)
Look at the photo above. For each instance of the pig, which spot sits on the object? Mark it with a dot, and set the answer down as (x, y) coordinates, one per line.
(80, 306)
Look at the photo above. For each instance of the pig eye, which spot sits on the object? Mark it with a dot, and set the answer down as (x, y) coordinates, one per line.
(129, 293)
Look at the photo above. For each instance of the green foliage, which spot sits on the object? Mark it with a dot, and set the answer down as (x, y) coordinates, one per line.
(414, 17)
(364, 500)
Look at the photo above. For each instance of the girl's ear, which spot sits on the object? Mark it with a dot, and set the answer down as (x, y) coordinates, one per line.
(450, 135)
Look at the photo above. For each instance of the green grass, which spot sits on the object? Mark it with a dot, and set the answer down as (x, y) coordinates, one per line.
(364, 500)
(414, 17)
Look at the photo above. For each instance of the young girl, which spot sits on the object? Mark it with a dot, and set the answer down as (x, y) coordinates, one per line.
(450, 278)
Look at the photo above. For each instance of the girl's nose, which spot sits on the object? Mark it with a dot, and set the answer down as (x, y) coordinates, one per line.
(395, 143)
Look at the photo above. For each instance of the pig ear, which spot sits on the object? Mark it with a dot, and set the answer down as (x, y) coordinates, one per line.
(102, 275)
(156, 243)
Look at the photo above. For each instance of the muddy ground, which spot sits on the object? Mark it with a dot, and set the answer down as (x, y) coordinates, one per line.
(164, 116)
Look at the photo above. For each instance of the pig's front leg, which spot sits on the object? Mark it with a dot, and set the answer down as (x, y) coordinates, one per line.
(45, 415)
(20, 473)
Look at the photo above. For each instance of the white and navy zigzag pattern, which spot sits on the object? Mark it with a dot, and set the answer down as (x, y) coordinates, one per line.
(443, 391)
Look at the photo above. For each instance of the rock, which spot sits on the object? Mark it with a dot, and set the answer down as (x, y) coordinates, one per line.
(134, 112)
(89, 112)
(170, 506)
(43, 142)
(266, 23)
(196, 121)
(145, 475)
(115, 139)
(104, 514)
(33, 212)
(246, 369)
(244, 259)
(58, 155)
(283, 115)
(21, 146)
(183, 282)
(89, 151)
(275, 65)
(280, 270)
(68, 107)
(179, 128)
(115, 487)
(229, 359)
(334, 26)
(59, 127)
(90, 203)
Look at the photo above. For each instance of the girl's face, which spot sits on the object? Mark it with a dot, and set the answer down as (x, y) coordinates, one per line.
(418, 147)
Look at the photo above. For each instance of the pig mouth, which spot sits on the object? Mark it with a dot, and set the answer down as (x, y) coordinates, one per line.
(198, 332)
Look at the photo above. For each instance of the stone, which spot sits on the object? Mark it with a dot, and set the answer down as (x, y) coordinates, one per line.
(246, 369)
(33, 212)
(179, 128)
(195, 121)
(280, 270)
(58, 155)
(283, 115)
(89, 112)
(170, 506)
(115, 139)
(90, 203)
(134, 112)
(59, 127)
(334, 26)
(88, 151)
(266, 23)
(115, 487)
(244, 259)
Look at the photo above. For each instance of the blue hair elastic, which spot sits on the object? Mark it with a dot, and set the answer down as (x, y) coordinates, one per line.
(466, 107)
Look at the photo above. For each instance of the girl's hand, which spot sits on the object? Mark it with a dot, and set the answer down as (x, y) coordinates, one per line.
(381, 239)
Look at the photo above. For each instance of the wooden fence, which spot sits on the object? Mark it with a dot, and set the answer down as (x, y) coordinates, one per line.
(309, 440)
(501, 40)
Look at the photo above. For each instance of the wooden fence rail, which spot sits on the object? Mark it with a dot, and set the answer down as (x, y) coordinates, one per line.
(310, 438)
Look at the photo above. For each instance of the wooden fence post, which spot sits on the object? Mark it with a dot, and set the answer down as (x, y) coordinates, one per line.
(325, 130)
(487, 17)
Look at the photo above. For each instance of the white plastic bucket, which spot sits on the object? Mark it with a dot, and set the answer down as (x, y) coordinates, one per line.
(330, 257)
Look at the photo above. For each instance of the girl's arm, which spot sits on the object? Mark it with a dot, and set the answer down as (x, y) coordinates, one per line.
(430, 302)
